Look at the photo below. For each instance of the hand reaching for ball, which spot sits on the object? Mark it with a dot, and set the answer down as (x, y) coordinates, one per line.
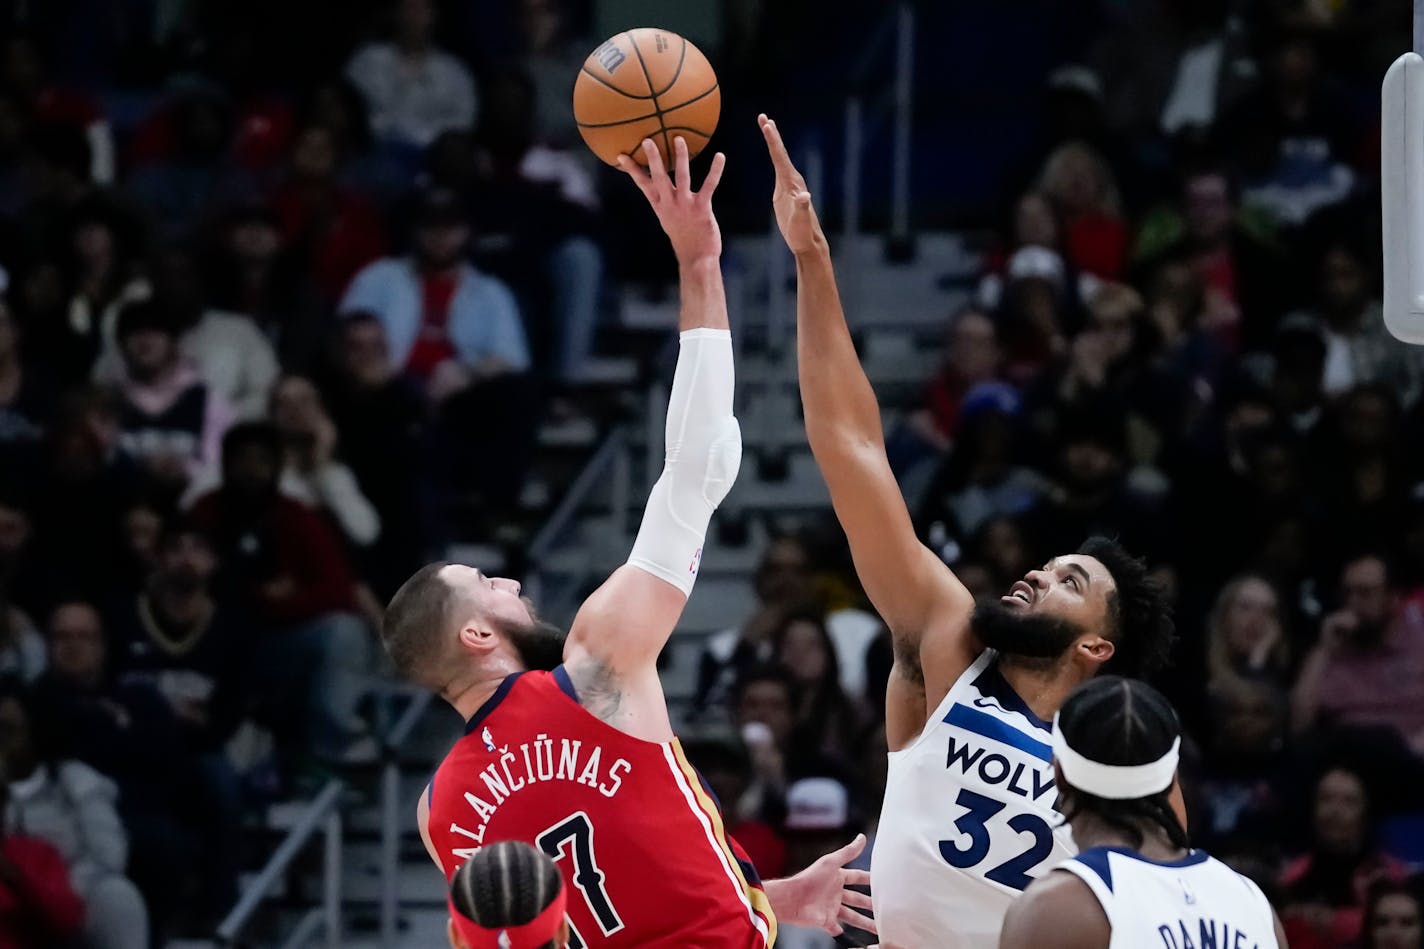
(686, 215)
(795, 214)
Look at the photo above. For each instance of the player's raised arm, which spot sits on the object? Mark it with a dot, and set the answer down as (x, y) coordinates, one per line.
(626, 622)
(910, 587)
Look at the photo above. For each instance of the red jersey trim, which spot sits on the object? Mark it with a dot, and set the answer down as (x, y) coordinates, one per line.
(753, 898)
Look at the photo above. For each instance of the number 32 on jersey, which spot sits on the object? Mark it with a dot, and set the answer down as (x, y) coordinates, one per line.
(973, 847)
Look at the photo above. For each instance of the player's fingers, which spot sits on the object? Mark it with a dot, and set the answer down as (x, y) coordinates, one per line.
(780, 159)
(855, 878)
(714, 176)
(680, 163)
(857, 919)
(656, 169)
(847, 853)
(640, 177)
(856, 898)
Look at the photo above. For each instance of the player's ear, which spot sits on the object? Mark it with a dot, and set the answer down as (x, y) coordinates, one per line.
(478, 636)
(456, 942)
(1099, 649)
(562, 939)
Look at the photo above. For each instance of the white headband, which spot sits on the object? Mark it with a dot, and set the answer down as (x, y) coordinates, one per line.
(1111, 781)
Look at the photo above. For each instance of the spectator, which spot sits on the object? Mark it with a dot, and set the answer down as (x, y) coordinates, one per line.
(783, 585)
(199, 175)
(1240, 270)
(1325, 888)
(1081, 186)
(128, 733)
(984, 477)
(819, 819)
(172, 422)
(38, 906)
(458, 332)
(1033, 310)
(26, 396)
(1394, 916)
(971, 356)
(414, 90)
(826, 718)
(331, 228)
(383, 427)
(229, 352)
(1242, 784)
(543, 201)
(259, 277)
(284, 560)
(174, 637)
(102, 264)
(71, 807)
(22, 650)
(1358, 348)
(1245, 636)
(1369, 661)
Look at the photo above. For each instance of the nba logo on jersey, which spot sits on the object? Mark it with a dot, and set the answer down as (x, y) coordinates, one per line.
(488, 739)
(504, 940)
(1187, 894)
(696, 559)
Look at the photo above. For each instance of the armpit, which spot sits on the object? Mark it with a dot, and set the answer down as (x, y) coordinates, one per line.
(598, 687)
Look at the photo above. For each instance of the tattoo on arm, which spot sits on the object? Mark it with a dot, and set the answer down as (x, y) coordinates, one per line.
(598, 688)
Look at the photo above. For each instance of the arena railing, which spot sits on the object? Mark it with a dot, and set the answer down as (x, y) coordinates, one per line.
(322, 816)
(395, 816)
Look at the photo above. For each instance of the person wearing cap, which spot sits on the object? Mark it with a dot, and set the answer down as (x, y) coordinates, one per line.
(1136, 880)
(508, 895)
(458, 333)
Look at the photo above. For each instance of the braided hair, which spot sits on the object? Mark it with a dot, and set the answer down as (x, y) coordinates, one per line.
(505, 884)
(1117, 721)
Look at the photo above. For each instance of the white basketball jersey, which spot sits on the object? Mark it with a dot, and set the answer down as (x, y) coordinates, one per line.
(968, 819)
(1196, 901)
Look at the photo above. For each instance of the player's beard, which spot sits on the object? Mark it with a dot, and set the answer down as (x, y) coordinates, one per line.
(1028, 636)
(540, 645)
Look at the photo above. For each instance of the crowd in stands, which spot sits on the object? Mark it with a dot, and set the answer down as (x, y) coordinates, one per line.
(279, 280)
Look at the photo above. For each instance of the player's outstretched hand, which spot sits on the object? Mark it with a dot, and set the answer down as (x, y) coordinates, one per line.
(686, 215)
(819, 897)
(795, 214)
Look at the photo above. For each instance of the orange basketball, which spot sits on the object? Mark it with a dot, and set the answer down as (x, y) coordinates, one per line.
(646, 84)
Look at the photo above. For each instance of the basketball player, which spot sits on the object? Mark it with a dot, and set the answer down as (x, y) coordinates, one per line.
(1135, 881)
(508, 896)
(968, 820)
(581, 759)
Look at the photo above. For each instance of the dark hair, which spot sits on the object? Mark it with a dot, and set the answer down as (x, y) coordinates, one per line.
(414, 625)
(505, 884)
(1139, 616)
(1125, 722)
(1379, 890)
(764, 672)
(143, 315)
(262, 435)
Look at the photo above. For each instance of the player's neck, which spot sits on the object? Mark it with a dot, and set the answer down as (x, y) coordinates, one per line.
(1090, 832)
(1043, 688)
(469, 697)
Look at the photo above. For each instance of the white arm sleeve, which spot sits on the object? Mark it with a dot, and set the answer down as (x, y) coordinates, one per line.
(704, 451)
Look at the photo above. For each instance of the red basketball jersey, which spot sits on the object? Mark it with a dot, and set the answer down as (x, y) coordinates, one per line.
(639, 838)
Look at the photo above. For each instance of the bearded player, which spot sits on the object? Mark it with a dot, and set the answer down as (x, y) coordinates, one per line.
(968, 818)
(581, 760)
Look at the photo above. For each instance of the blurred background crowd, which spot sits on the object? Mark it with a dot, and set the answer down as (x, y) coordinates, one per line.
(289, 290)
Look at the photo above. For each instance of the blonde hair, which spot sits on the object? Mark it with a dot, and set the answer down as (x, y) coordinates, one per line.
(1055, 168)
(1220, 667)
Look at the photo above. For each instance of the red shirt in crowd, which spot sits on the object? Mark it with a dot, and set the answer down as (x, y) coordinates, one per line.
(38, 907)
(432, 345)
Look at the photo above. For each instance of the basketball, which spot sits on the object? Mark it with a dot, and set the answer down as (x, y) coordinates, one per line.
(646, 83)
